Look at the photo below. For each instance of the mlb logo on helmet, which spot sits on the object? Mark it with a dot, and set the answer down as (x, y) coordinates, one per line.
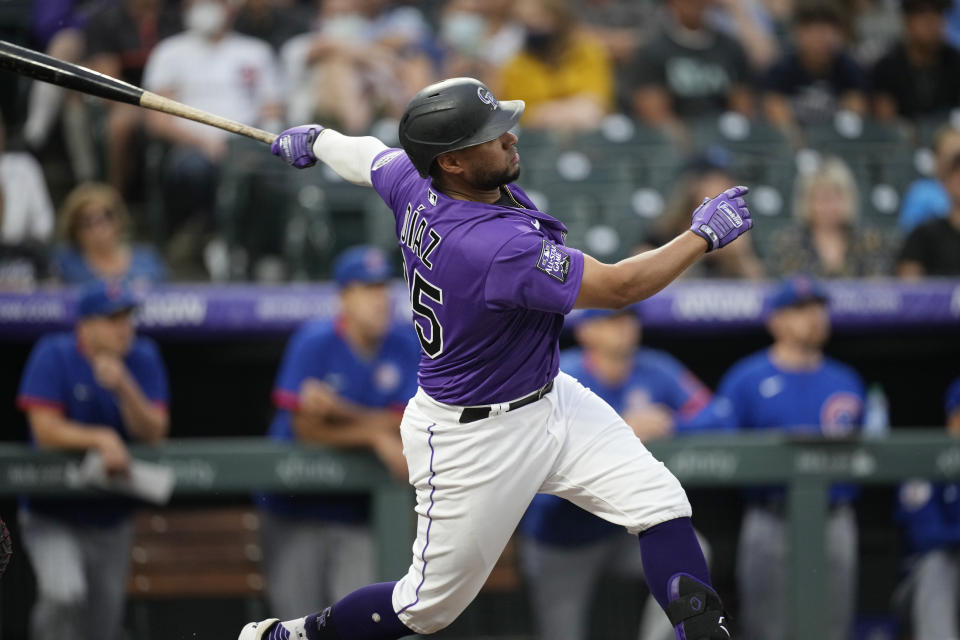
(487, 98)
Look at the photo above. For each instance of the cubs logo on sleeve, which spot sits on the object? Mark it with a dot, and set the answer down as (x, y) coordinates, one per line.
(554, 261)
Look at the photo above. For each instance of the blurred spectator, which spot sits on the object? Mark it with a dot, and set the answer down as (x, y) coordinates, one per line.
(564, 75)
(875, 25)
(58, 30)
(827, 239)
(933, 247)
(752, 24)
(620, 24)
(210, 67)
(363, 60)
(705, 177)
(477, 37)
(565, 549)
(28, 213)
(689, 70)
(927, 198)
(95, 389)
(919, 76)
(953, 24)
(273, 21)
(818, 77)
(930, 515)
(22, 264)
(93, 227)
(793, 388)
(120, 37)
(342, 383)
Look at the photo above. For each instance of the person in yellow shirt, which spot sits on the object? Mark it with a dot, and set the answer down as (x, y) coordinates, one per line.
(564, 75)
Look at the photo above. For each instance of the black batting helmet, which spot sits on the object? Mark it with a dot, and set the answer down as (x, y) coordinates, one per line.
(450, 115)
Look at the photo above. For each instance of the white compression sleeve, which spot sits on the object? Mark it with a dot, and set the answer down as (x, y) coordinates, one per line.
(350, 157)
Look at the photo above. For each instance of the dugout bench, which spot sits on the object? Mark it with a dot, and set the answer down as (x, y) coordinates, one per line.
(231, 467)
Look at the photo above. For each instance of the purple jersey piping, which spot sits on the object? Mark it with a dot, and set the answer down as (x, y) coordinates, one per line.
(423, 554)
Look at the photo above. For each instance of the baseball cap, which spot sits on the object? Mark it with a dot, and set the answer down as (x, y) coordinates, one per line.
(798, 290)
(364, 264)
(104, 299)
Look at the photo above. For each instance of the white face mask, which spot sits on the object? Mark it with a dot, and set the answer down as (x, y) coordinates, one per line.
(206, 18)
(464, 32)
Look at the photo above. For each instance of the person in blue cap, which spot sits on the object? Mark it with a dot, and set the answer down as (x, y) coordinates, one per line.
(930, 516)
(97, 388)
(342, 383)
(791, 387)
(564, 549)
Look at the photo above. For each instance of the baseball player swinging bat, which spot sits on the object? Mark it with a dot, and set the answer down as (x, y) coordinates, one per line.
(39, 66)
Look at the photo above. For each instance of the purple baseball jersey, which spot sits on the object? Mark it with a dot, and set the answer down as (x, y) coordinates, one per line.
(489, 285)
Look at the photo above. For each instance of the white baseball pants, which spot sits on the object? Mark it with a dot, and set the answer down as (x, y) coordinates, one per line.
(474, 481)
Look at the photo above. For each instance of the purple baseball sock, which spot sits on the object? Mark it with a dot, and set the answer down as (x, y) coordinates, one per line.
(667, 549)
(365, 614)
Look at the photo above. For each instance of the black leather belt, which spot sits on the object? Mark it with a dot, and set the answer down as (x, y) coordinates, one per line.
(472, 414)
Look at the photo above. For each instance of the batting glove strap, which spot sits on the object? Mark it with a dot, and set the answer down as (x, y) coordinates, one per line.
(295, 145)
(696, 612)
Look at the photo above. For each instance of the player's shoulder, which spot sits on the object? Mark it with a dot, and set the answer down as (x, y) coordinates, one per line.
(842, 372)
(571, 361)
(753, 366)
(315, 333)
(657, 359)
(402, 338)
(245, 43)
(55, 344)
(178, 44)
(145, 348)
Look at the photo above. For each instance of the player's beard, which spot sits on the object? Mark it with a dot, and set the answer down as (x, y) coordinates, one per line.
(491, 180)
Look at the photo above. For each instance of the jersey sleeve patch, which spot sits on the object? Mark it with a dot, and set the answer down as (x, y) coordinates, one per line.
(385, 159)
(554, 260)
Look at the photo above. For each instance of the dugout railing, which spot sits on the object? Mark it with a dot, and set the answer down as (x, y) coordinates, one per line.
(229, 467)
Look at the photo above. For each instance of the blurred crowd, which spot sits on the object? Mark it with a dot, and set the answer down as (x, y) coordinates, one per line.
(92, 188)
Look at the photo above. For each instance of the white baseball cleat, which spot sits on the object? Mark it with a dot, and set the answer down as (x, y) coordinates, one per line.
(256, 630)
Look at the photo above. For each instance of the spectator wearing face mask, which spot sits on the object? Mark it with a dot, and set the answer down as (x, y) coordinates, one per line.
(564, 76)
(477, 37)
(360, 62)
(211, 67)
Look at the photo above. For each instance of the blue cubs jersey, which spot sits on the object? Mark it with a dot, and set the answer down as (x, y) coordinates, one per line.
(757, 395)
(656, 378)
(58, 375)
(387, 380)
(930, 515)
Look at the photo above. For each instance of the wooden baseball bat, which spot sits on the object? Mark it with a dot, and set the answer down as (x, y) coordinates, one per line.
(40, 66)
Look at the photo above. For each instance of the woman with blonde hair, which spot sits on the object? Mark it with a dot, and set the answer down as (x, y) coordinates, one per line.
(93, 224)
(827, 239)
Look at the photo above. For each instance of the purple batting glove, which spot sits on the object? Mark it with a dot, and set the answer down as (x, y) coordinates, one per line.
(722, 219)
(295, 145)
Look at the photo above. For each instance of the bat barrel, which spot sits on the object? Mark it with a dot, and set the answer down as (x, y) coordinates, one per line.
(48, 69)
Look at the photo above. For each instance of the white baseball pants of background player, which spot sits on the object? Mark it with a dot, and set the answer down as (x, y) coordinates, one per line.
(935, 597)
(474, 481)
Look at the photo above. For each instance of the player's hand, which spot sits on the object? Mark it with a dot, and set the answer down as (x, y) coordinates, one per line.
(722, 219)
(295, 145)
(109, 371)
(389, 448)
(652, 422)
(114, 452)
(318, 398)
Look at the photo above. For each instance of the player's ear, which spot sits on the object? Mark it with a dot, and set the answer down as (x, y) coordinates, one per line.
(450, 162)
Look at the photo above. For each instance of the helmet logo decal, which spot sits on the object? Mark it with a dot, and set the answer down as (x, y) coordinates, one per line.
(487, 98)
